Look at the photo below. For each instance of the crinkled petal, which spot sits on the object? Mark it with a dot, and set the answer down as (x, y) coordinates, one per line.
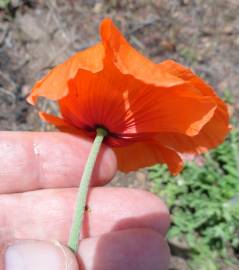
(154, 111)
(187, 75)
(214, 132)
(210, 136)
(144, 154)
(128, 108)
(129, 61)
(199, 86)
(54, 84)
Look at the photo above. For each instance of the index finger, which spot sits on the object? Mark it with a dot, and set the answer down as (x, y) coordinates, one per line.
(33, 160)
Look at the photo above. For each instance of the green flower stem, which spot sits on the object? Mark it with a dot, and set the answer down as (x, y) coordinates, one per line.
(83, 190)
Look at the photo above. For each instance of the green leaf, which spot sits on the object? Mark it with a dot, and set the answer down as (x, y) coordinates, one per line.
(4, 3)
(204, 204)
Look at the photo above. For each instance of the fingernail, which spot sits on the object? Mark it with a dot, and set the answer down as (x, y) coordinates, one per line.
(38, 255)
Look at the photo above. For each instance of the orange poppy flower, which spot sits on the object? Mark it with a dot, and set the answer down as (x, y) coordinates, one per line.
(152, 112)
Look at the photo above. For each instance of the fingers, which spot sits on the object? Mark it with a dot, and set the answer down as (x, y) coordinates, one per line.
(31, 161)
(47, 214)
(37, 255)
(134, 249)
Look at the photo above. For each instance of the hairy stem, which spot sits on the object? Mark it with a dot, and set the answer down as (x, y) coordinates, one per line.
(83, 190)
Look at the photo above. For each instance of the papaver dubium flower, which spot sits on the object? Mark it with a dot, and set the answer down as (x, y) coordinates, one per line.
(152, 112)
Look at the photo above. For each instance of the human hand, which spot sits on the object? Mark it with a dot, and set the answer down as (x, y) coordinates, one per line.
(39, 172)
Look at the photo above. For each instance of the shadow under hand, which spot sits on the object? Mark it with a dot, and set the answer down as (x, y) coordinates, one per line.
(133, 243)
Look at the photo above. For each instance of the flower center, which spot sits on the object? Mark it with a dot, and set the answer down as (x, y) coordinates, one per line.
(102, 129)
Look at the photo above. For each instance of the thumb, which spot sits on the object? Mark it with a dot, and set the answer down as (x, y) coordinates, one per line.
(37, 255)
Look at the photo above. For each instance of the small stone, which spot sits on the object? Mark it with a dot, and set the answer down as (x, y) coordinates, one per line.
(177, 263)
(140, 176)
(25, 90)
(30, 26)
(228, 29)
(16, 3)
(98, 7)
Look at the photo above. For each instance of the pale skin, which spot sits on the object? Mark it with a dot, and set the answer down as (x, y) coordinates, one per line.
(39, 172)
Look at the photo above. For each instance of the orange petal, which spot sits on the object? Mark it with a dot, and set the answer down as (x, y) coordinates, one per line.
(154, 111)
(127, 107)
(144, 154)
(95, 101)
(210, 136)
(187, 75)
(215, 131)
(60, 124)
(198, 84)
(129, 61)
(54, 84)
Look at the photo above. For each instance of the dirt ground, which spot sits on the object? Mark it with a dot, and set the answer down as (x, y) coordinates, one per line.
(36, 35)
